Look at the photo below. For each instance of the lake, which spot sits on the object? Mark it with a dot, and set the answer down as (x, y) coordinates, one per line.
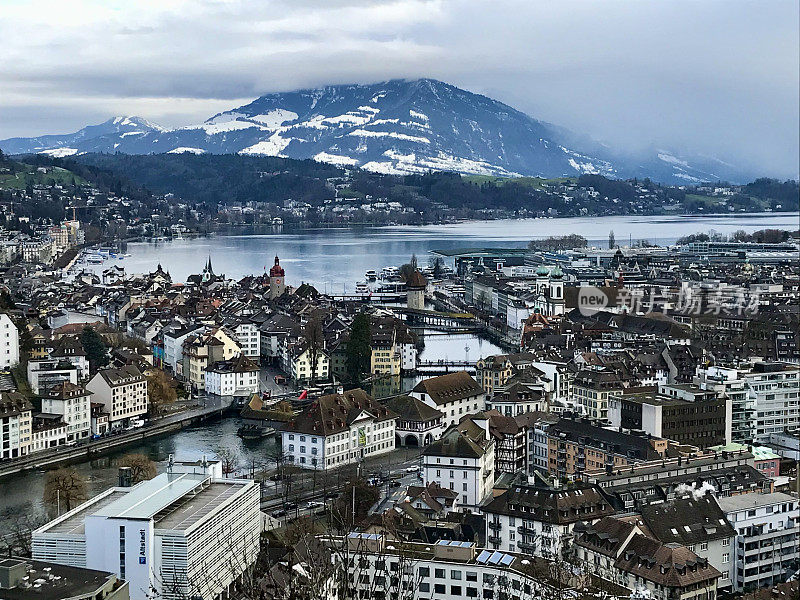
(334, 259)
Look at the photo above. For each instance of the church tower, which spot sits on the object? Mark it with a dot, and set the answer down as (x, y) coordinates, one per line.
(277, 280)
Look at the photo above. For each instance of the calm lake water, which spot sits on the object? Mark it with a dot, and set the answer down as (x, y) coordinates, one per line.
(334, 259)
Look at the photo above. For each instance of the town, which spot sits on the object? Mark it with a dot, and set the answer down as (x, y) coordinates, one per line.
(637, 436)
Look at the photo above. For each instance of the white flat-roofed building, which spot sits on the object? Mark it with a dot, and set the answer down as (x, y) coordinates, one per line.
(766, 550)
(178, 535)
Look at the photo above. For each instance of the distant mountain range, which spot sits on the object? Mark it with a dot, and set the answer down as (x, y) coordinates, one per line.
(397, 126)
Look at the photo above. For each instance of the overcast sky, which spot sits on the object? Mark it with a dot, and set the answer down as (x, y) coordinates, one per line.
(713, 77)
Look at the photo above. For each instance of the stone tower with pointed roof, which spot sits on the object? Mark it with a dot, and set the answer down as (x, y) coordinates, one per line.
(277, 279)
(415, 291)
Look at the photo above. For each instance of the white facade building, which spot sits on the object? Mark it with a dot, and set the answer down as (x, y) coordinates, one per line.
(122, 392)
(9, 342)
(767, 544)
(337, 430)
(179, 535)
(249, 338)
(235, 377)
(463, 460)
(174, 336)
(454, 394)
(73, 403)
(774, 388)
(15, 425)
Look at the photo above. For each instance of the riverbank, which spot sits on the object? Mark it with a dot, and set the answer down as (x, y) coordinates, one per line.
(90, 450)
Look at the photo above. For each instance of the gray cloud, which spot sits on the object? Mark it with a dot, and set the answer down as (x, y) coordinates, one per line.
(719, 78)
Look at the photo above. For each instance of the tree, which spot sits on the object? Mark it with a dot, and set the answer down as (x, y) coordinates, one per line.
(408, 269)
(229, 458)
(561, 242)
(358, 353)
(64, 489)
(612, 241)
(142, 468)
(314, 340)
(160, 392)
(94, 347)
(437, 264)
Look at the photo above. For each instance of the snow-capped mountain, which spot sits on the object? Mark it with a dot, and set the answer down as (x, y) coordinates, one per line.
(397, 126)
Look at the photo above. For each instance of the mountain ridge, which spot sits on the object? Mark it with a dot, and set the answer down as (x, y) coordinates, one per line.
(398, 126)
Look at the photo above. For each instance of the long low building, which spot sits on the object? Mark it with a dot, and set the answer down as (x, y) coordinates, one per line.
(179, 535)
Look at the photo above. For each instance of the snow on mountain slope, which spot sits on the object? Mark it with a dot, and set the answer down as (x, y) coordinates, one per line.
(396, 126)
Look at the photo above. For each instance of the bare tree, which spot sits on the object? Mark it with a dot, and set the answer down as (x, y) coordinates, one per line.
(18, 523)
(142, 468)
(315, 342)
(229, 458)
(64, 489)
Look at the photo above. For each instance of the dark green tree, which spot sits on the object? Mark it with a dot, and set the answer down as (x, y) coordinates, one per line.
(95, 348)
(359, 350)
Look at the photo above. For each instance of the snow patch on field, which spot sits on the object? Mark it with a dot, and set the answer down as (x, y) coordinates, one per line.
(371, 109)
(668, 158)
(687, 177)
(59, 152)
(335, 159)
(386, 168)
(377, 97)
(215, 128)
(391, 134)
(274, 118)
(185, 150)
(585, 167)
(417, 115)
(271, 147)
(349, 118)
(127, 133)
(404, 164)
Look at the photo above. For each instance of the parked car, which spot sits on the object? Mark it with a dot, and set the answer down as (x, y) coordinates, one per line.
(314, 504)
(413, 469)
(279, 513)
(280, 379)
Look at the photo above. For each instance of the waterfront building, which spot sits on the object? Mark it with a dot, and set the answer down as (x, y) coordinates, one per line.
(16, 423)
(173, 336)
(237, 376)
(463, 460)
(454, 394)
(277, 280)
(185, 533)
(248, 337)
(767, 545)
(415, 291)
(200, 350)
(9, 342)
(23, 578)
(73, 404)
(537, 519)
(337, 430)
(123, 394)
(418, 424)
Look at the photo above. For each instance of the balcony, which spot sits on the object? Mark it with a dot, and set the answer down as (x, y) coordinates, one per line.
(526, 530)
(529, 546)
(493, 539)
(496, 525)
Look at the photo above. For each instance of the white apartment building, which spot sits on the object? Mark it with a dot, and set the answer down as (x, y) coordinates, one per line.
(463, 460)
(15, 424)
(379, 568)
(9, 342)
(248, 336)
(44, 374)
(122, 392)
(454, 394)
(178, 535)
(337, 430)
(729, 381)
(234, 377)
(774, 388)
(73, 403)
(767, 544)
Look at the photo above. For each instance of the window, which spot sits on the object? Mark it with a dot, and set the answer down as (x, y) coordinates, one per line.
(424, 572)
(703, 545)
(424, 587)
(439, 573)
(439, 588)
(455, 575)
(726, 557)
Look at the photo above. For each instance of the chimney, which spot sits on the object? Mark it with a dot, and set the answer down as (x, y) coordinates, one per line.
(125, 477)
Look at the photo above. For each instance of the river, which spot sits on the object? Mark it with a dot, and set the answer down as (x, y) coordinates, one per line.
(334, 258)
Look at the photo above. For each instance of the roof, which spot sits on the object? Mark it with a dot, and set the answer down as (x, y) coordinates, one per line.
(412, 409)
(450, 387)
(237, 364)
(13, 404)
(122, 376)
(416, 280)
(750, 501)
(51, 581)
(687, 520)
(558, 506)
(334, 413)
(460, 443)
